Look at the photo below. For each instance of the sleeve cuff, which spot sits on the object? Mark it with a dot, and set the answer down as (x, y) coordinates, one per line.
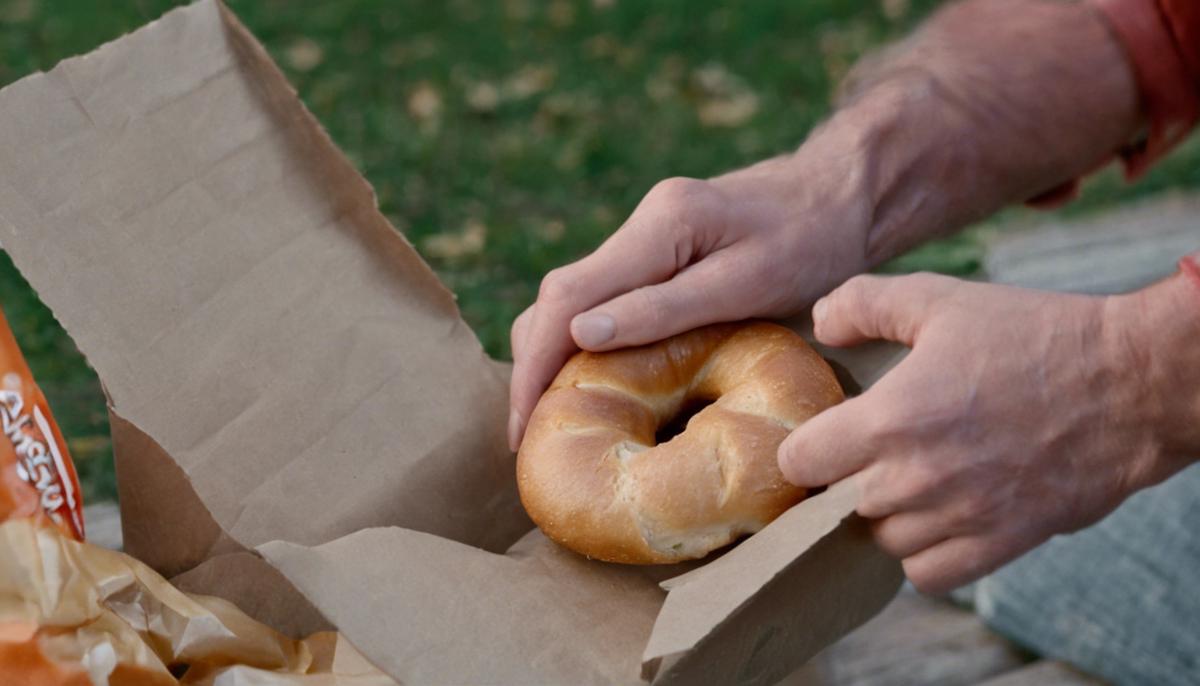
(1170, 98)
(1168, 85)
(1190, 266)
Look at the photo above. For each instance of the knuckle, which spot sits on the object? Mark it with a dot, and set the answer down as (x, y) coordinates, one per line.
(677, 191)
(853, 294)
(913, 486)
(872, 491)
(516, 332)
(934, 285)
(971, 510)
(872, 503)
(922, 279)
(557, 286)
(925, 478)
(887, 422)
(885, 537)
(980, 511)
(685, 203)
(854, 287)
(921, 579)
(652, 303)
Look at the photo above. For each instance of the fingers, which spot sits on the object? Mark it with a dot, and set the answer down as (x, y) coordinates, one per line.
(827, 448)
(945, 566)
(520, 329)
(906, 534)
(664, 233)
(518, 338)
(708, 291)
(874, 307)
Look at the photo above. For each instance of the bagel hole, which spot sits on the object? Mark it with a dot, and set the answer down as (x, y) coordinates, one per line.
(675, 425)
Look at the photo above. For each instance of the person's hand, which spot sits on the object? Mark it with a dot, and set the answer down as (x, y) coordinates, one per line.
(1016, 416)
(932, 137)
(763, 241)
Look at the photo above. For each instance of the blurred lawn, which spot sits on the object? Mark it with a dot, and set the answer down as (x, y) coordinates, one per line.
(505, 137)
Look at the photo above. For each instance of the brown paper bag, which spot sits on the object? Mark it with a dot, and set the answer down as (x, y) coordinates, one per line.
(303, 422)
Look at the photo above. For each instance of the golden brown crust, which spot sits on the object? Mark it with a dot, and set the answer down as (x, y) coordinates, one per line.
(592, 478)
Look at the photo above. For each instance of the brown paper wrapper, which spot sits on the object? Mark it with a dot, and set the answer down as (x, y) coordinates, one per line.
(73, 613)
(304, 424)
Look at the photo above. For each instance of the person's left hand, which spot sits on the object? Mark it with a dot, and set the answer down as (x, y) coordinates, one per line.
(1017, 415)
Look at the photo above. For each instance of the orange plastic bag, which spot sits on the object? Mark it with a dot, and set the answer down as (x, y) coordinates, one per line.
(37, 478)
(74, 614)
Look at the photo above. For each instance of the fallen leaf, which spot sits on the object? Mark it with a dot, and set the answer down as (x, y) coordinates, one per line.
(732, 111)
(716, 79)
(895, 9)
(726, 99)
(552, 230)
(304, 54)
(483, 96)
(395, 55)
(468, 241)
(528, 81)
(425, 103)
(665, 83)
(518, 10)
(561, 13)
(601, 45)
(18, 11)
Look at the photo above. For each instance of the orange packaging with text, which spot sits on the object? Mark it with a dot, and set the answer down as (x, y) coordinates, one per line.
(37, 478)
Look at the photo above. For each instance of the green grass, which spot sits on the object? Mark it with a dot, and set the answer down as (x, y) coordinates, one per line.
(506, 137)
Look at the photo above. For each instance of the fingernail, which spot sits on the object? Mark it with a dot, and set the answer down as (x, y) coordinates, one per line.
(515, 425)
(593, 329)
(785, 463)
(820, 310)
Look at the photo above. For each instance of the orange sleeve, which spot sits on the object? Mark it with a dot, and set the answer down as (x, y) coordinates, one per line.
(1190, 266)
(1183, 16)
(1162, 40)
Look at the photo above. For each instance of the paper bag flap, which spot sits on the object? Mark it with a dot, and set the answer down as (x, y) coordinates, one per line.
(256, 588)
(227, 273)
(429, 610)
(760, 611)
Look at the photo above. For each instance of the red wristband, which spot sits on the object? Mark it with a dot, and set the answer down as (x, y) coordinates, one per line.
(1190, 266)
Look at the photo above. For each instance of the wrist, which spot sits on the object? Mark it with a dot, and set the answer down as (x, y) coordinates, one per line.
(992, 102)
(811, 203)
(916, 163)
(1151, 338)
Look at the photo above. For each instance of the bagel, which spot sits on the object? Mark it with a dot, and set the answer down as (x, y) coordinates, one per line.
(593, 477)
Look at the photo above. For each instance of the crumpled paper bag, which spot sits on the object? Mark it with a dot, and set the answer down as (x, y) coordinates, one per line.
(73, 614)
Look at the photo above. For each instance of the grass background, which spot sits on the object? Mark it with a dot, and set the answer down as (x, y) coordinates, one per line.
(506, 137)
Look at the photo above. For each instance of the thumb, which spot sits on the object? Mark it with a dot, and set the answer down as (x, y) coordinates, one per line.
(828, 447)
(872, 307)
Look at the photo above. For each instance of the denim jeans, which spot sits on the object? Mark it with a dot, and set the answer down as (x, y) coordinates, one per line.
(1120, 599)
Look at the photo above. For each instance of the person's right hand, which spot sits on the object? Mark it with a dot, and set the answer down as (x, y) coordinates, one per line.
(764, 241)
